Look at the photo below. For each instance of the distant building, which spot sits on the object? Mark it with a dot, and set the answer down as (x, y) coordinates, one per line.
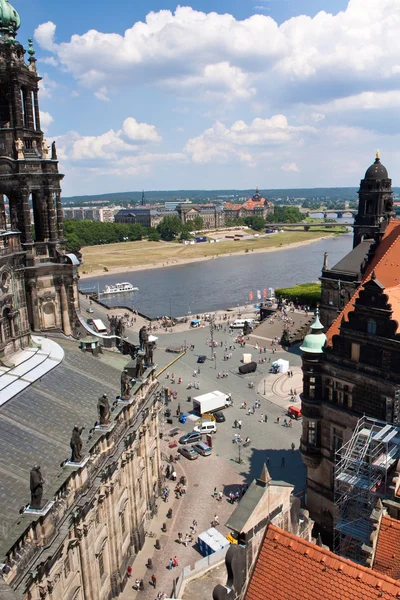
(253, 207)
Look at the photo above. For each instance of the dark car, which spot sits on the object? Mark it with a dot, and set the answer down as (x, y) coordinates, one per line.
(202, 358)
(188, 452)
(219, 416)
(188, 438)
(89, 321)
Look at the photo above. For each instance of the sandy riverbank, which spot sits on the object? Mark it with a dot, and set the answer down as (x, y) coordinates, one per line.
(177, 262)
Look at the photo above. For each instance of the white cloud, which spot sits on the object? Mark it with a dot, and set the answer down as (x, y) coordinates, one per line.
(139, 132)
(47, 86)
(364, 101)
(190, 51)
(45, 120)
(45, 36)
(290, 166)
(223, 144)
(101, 94)
(49, 60)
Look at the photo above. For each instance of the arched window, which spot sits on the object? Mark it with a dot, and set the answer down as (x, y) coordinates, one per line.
(371, 328)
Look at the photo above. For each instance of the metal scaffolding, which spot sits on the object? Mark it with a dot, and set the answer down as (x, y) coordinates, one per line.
(361, 478)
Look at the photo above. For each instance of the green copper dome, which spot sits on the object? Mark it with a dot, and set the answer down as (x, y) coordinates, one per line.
(9, 18)
(314, 342)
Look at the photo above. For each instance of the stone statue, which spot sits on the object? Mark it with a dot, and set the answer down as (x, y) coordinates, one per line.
(45, 149)
(149, 348)
(143, 337)
(103, 408)
(139, 365)
(36, 485)
(53, 151)
(19, 146)
(76, 444)
(125, 384)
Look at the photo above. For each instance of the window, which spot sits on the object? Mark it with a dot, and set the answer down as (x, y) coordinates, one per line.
(312, 433)
(122, 519)
(101, 564)
(371, 327)
(337, 439)
(355, 352)
(67, 565)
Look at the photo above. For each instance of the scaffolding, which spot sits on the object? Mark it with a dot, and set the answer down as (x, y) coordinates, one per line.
(361, 478)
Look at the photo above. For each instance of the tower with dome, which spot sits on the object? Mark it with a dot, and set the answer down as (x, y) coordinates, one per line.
(39, 290)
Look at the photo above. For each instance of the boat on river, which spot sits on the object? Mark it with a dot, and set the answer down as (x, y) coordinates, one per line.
(120, 288)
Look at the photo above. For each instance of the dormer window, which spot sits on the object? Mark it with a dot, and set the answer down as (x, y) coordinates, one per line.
(371, 327)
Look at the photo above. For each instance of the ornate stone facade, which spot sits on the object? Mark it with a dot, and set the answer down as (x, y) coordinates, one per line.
(29, 177)
(81, 548)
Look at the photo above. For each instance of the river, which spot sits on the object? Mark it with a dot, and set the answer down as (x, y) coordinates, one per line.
(222, 282)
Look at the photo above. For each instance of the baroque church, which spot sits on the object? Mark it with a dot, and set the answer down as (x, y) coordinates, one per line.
(352, 369)
(38, 279)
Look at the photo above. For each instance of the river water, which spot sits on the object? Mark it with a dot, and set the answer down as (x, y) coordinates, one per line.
(223, 282)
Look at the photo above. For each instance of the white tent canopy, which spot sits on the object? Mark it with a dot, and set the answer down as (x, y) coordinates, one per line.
(282, 365)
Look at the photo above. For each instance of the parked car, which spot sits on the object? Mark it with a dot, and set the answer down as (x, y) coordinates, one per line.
(202, 448)
(89, 322)
(90, 310)
(188, 452)
(206, 427)
(188, 438)
(219, 416)
(202, 359)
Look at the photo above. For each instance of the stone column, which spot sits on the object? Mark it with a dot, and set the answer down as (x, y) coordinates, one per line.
(36, 108)
(18, 121)
(32, 284)
(28, 109)
(51, 214)
(25, 217)
(12, 324)
(64, 308)
(3, 216)
(60, 215)
(40, 216)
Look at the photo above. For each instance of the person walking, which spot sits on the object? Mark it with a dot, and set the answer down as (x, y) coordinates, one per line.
(261, 418)
(293, 446)
(170, 564)
(267, 459)
(175, 561)
(154, 581)
(235, 424)
(220, 494)
(240, 424)
(277, 420)
(215, 493)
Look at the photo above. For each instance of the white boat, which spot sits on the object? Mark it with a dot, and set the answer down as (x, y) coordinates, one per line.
(119, 288)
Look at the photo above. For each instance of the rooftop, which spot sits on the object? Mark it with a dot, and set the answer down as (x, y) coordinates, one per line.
(387, 256)
(289, 568)
(387, 554)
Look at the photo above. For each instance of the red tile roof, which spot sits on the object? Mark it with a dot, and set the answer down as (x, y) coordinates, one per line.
(387, 554)
(289, 568)
(386, 266)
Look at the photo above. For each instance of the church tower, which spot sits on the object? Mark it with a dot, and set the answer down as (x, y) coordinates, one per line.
(375, 206)
(30, 185)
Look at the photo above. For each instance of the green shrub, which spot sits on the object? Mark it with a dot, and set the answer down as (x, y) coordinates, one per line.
(304, 293)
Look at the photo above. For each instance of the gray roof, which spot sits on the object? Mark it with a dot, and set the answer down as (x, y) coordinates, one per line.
(248, 503)
(352, 262)
(36, 426)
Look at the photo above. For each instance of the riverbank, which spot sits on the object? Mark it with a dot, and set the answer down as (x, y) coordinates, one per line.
(138, 256)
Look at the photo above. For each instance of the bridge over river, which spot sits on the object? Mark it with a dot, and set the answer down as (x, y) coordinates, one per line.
(307, 226)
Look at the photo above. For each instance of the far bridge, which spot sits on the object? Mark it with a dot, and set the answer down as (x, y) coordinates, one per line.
(338, 214)
(306, 226)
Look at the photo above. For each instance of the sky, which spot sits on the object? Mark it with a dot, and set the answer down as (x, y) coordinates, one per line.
(217, 94)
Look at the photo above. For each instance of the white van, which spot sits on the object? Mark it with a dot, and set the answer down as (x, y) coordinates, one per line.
(239, 323)
(206, 427)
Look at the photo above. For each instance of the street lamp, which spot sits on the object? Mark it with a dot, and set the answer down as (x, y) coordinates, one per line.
(239, 444)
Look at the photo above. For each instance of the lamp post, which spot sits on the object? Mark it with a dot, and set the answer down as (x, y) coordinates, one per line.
(239, 444)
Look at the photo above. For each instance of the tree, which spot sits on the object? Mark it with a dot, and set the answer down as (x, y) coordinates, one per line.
(73, 243)
(169, 228)
(256, 223)
(198, 223)
(153, 235)
(285, 214)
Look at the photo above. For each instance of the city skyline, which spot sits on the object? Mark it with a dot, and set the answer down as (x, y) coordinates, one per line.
(282, 94)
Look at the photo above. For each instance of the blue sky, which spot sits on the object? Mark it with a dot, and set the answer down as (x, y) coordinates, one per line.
(222, 94)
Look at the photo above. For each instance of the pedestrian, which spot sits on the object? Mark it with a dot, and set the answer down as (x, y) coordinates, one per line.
(220, 496)
(170, 563)
(215, 521)
(293, 446)
(261, 418)
(129, 571)
(175, 561)
(154, 581)
(235, 424)
(240, 424)
(179, 537)
(215, 493)
(282, 461)
(267, 459)
(194, 525)
(277, 420)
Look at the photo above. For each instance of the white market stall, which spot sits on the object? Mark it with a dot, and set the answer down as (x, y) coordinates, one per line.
(280, 366)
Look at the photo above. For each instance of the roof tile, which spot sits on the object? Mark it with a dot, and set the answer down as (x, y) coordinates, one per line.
(387, 554)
